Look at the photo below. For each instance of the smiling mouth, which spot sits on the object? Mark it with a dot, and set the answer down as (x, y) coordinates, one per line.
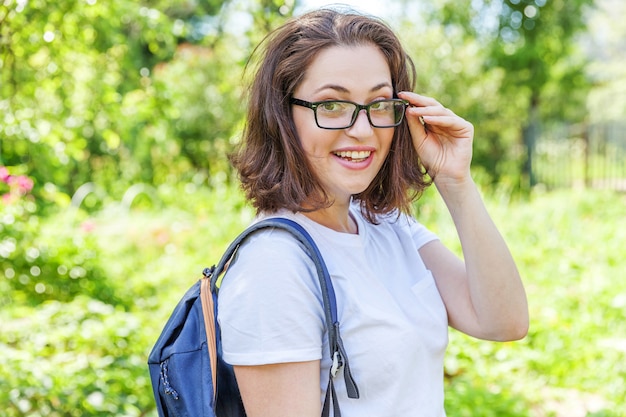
(353, 156)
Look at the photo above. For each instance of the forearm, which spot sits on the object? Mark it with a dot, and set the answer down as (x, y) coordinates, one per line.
(495, 288)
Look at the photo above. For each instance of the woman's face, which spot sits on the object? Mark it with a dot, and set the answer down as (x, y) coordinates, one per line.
(347, 160)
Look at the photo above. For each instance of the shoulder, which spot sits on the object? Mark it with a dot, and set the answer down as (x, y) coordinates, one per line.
(270, 305)
(272, 242)
(270, 260)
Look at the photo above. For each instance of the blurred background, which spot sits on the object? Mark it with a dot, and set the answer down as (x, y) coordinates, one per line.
(116, 119)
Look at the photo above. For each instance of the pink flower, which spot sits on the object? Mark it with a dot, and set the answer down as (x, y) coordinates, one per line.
(21, 183)
(7, 199)
(88, 226)
(4, 174)
(24, 184)
(18, 185)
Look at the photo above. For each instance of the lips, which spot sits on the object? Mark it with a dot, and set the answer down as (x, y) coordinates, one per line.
(353, 156)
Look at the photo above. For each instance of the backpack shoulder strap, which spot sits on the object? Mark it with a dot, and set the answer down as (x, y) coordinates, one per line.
(337, 352)
(328, 292)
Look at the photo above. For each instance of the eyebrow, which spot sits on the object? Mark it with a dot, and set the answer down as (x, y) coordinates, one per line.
(343, 89)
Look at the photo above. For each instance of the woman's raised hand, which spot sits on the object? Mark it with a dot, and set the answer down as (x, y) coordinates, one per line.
(443, 141)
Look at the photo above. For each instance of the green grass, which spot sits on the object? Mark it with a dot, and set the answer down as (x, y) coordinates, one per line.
(84, 357)
(570, 250)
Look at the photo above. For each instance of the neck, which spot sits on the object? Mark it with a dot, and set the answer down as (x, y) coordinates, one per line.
(335, 217)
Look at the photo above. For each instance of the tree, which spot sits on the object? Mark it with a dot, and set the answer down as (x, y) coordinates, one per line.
(120, 92)
(450, 47)
(535, 46)
(506, 65)
(64, 73)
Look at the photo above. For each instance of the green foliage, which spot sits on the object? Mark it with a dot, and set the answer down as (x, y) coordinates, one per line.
(534, 45)
(122, 92)
(507, 66)
(112, 92)
(64, 72)
(200, 101)
(81, 358)
(568, 246)
(42, 261)
(472, 398)
(56, 265)
(82, 350)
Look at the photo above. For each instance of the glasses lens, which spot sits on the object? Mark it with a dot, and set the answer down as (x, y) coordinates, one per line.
(386, 113)
(335, 114)
(382, 113)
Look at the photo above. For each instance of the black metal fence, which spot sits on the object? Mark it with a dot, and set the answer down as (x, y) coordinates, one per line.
(592, 156)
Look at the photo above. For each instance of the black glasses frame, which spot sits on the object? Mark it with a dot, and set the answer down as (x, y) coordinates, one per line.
(358, 107)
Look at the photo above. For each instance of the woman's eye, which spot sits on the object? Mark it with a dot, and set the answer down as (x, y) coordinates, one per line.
(381, 106)
(331, 106)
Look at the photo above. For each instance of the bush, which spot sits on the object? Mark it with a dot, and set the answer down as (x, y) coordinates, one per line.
(77, 358)
(51, 260)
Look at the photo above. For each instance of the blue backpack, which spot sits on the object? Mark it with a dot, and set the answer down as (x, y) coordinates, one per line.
(188, 375)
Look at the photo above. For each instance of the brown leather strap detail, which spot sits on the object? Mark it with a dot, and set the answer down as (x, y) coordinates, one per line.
(209, 324)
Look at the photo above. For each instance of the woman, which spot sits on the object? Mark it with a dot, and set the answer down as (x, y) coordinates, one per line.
(336, 140)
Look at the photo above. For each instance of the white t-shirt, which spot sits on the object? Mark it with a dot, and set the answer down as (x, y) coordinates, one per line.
(392, 319)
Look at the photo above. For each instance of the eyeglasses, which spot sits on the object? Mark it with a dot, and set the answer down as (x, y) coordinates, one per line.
(341, 114)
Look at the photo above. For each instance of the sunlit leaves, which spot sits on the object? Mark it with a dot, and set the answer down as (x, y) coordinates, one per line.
(534, 35)
(528, 52)
(64, 75)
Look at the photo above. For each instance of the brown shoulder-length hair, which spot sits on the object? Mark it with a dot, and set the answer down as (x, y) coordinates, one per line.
(273, 168)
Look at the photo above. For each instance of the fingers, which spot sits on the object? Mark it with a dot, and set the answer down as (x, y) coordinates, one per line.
(424, 106)
(423, 109)
(433, 115)
(418, 100)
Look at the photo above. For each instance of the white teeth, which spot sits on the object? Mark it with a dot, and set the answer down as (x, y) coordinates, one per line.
(353, 154)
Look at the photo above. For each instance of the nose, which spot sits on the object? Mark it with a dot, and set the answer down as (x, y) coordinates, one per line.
(361, 126)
